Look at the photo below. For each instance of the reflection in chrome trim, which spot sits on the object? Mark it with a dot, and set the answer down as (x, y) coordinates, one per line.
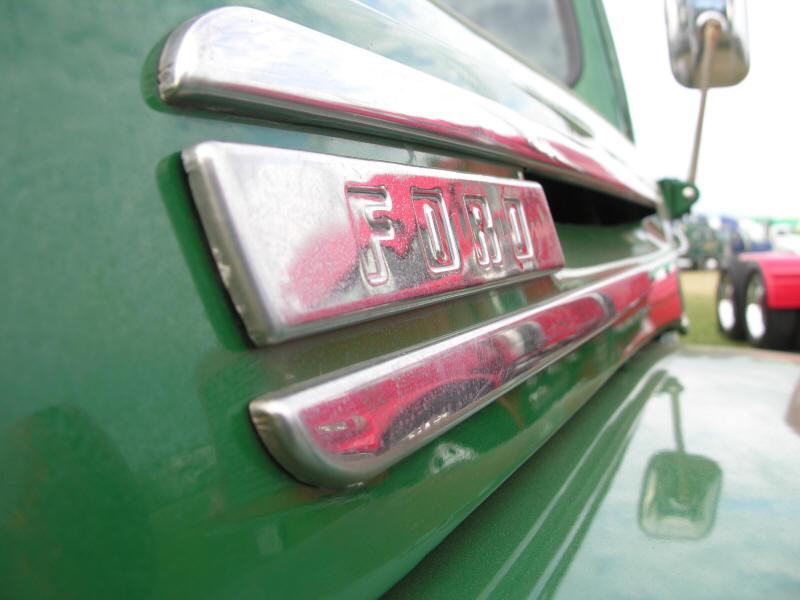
(248, 62)
(306, 242)
(354, 424)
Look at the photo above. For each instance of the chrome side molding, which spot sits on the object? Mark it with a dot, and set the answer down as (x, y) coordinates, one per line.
(354, 424)
(306, 242)
(248, 62)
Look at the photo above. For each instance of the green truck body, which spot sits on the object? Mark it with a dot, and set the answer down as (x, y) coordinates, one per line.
(131, 467)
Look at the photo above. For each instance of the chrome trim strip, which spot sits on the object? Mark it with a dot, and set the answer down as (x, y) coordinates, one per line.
(354, 424)
(305, 242)
(248, 62)
(565, 276)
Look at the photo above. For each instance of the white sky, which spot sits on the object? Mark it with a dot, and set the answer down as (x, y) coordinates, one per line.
(748, 158)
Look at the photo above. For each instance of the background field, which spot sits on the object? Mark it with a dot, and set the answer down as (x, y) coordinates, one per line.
(699, 294)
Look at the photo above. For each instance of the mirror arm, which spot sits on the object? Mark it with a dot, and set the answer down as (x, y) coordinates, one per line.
(712, 30)
(676, 424)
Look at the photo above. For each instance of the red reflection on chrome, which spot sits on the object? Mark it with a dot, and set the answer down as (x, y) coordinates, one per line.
(351, 425)
(436, 219)
(421, 395)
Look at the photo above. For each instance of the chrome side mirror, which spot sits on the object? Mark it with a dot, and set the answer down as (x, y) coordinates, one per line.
(688, 23)
(707, 48)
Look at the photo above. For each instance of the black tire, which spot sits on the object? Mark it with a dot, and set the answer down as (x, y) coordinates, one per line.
(766, 327)
(730, 301)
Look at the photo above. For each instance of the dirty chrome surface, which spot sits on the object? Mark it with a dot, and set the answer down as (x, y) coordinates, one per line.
(248, 62)
(354, 424)
(306, 242)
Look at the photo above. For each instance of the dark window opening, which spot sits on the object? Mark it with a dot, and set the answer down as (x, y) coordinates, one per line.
(571, 204)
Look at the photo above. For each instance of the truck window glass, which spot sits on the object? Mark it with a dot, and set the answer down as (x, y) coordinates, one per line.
(542, 32)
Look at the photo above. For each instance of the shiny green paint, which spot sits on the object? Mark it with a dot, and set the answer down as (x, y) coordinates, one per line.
(222, 519)
(600, 82)
(130, 467)
(679, 196)
(718, 430)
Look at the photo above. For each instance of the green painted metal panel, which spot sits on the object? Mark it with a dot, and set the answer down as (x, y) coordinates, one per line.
(600, 82)
(130, 466)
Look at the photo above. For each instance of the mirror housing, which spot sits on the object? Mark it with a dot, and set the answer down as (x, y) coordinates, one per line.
(679, 196)
(686, 20)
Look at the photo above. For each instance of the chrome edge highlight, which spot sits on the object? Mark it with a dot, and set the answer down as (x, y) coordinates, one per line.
(248, 62)
(354, 424)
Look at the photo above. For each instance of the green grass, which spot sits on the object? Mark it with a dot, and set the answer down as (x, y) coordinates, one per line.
(699, 294)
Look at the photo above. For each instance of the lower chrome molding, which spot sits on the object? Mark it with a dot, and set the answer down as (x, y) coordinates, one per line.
(352, 425)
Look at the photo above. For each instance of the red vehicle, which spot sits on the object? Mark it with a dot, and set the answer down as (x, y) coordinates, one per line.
(758, 299)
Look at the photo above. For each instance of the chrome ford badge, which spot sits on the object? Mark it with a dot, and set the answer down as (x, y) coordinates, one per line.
(306, 242)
